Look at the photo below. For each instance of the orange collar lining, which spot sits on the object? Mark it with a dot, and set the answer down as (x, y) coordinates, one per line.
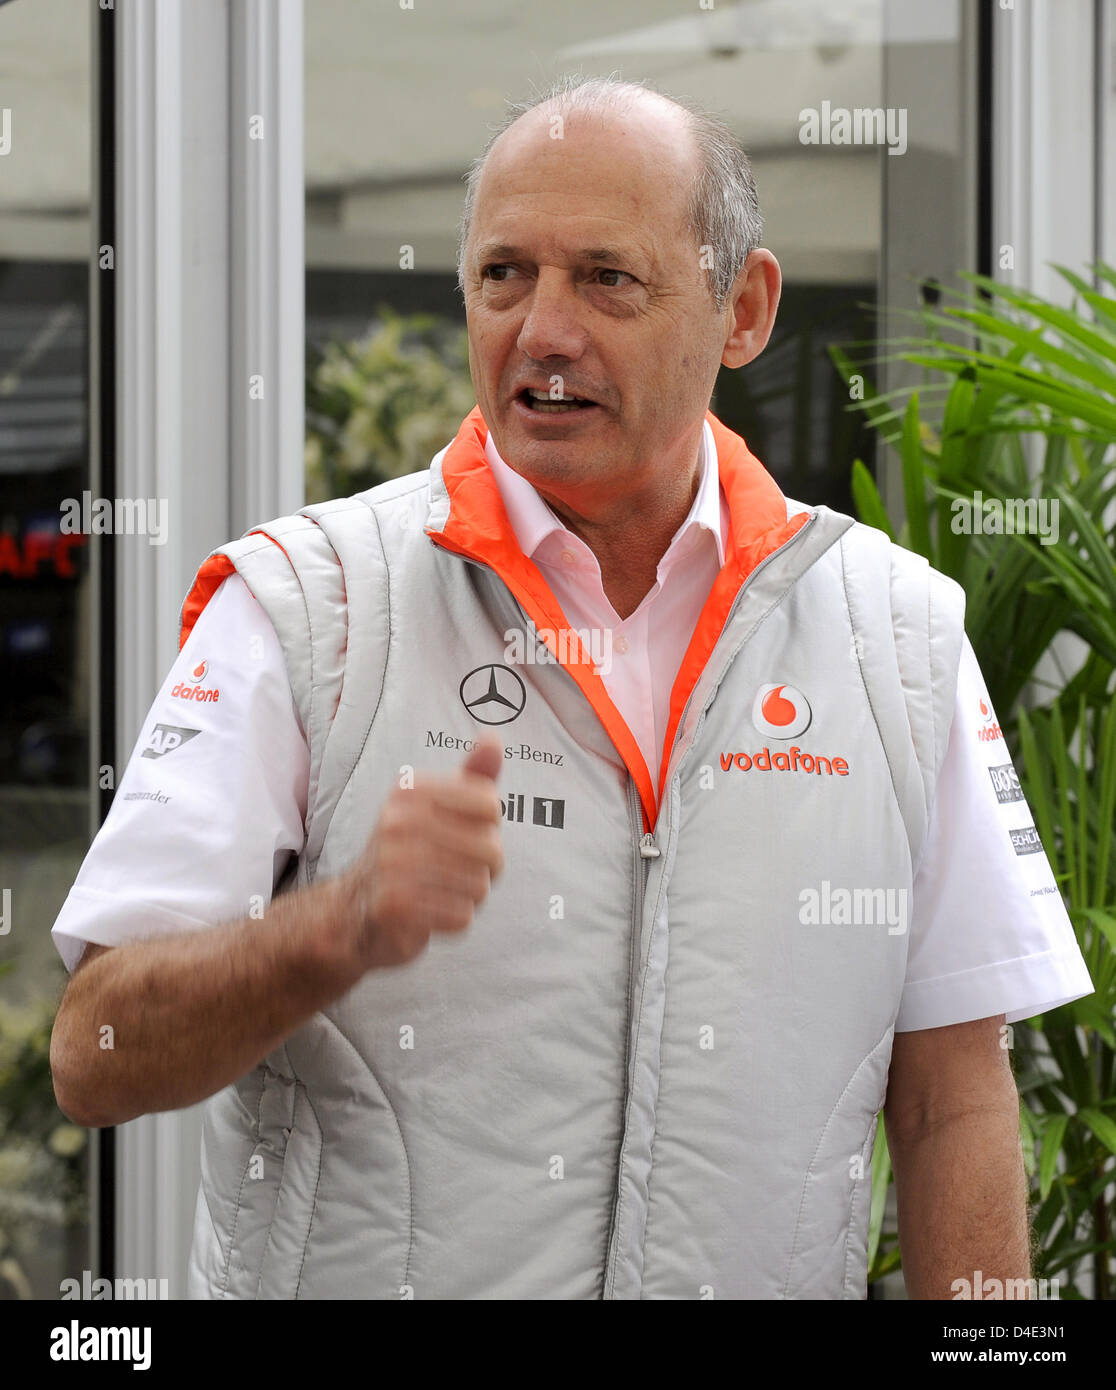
(478, 528)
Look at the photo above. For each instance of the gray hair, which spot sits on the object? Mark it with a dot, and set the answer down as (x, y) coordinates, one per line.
(724, 212)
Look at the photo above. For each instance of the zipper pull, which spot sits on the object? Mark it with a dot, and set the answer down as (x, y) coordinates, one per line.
(648, 848)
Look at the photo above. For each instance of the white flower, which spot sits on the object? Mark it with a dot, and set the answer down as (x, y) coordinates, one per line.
(67, 1140)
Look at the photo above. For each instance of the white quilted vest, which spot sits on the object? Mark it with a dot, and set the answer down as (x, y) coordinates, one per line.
(650, 1069)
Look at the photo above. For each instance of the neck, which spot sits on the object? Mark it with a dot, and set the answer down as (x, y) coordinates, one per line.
(630, 536)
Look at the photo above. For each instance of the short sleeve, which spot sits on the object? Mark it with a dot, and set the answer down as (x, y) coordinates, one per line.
(212, 802)
(989, 931)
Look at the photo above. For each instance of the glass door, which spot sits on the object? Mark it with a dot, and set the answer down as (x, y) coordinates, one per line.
(49, 664)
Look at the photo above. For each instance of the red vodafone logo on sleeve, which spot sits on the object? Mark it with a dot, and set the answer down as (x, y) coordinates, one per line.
(781, 711)
(991, 729)
(191, 688)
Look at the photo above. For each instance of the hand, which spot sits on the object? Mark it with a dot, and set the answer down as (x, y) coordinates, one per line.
(428, 863)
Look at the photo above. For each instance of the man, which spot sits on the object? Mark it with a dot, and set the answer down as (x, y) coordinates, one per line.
(598, 779)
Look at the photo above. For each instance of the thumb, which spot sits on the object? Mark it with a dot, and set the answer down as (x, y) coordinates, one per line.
(486, 758)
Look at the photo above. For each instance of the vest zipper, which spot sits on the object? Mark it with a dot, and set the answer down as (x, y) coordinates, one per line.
(646, 851)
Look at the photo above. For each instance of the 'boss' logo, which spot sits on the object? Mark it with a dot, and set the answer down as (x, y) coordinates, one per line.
(1005, 783)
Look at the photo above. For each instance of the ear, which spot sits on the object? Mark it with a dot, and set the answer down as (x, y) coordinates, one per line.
(751, 308)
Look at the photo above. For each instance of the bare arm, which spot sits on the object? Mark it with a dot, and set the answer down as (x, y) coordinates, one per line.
(952, 1119)
(189, 1014)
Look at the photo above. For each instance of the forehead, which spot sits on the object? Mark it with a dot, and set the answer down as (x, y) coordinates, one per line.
(595, 178)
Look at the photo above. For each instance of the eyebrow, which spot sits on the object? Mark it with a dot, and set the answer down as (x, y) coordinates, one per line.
(597, 255)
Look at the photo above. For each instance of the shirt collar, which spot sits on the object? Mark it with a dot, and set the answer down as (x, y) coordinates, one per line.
(533, 521)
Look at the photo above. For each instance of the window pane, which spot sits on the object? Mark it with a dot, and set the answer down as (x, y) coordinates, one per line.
(44, 656)
(398, 102)
(859, 119)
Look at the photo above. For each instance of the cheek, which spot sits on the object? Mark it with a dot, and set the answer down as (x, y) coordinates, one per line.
(491, 336)
(675, 377)
(484, 353)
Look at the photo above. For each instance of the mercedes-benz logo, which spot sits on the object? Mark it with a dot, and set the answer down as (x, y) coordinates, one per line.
(493, 694)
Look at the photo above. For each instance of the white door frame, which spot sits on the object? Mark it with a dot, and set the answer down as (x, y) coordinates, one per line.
(1046, 120)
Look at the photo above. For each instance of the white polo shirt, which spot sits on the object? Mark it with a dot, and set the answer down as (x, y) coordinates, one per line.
(212, 803)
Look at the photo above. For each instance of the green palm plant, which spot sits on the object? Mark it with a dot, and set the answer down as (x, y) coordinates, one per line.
(381, 407)
(1067, 1083)
(1018, 405)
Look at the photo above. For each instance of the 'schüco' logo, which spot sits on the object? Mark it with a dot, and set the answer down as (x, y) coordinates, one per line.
(493, 694)
(781, 711)
(1026, 840)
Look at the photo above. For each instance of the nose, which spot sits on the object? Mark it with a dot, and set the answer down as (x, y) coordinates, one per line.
(552, 325)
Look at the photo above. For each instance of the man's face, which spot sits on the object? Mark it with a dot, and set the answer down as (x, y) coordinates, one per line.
(580, 266)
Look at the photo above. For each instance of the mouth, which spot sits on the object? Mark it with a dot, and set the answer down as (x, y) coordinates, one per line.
(545, 403)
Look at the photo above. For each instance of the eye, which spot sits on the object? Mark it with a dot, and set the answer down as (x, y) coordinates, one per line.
(489, 272)
(622, 274)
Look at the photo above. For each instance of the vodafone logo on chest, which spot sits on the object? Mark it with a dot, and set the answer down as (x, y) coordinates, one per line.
(192, 689)
(782, 711)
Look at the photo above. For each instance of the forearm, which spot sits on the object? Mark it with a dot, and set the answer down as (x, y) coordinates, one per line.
(961, 1192)
(162, 1024)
